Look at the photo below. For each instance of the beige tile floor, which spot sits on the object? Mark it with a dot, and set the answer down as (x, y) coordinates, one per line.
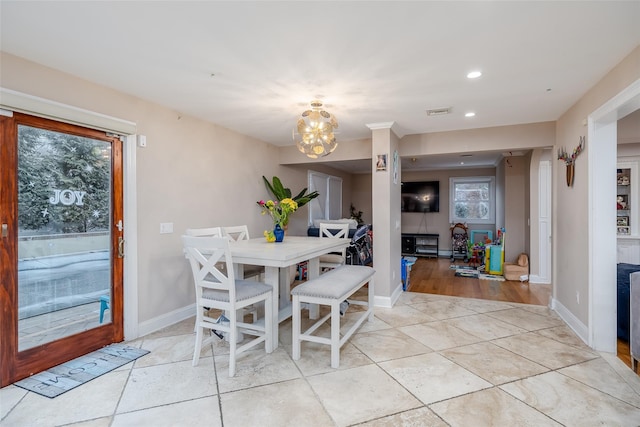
(428, 361)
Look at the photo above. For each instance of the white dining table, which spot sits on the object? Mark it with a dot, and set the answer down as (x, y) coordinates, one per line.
(277, 258)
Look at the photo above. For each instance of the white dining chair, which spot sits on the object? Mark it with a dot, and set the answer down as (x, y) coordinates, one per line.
(205, 232)
(221, 232)
(219, 289)
(334, 231)
(241, 232)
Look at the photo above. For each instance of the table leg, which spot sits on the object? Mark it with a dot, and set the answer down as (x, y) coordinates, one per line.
(313, 271)
(285, 287)
(271, 277)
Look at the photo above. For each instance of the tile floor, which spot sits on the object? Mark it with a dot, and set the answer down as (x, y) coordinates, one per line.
(429, 361)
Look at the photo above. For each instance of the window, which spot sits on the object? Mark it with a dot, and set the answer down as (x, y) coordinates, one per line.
(328, 205)
(472, 200)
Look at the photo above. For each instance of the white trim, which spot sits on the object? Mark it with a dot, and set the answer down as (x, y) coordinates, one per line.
(534, 279)
(41, 107)
(545, 221)
(166, 319)
(388, 302)
(130, 294)
(572, 321)
(602, 160)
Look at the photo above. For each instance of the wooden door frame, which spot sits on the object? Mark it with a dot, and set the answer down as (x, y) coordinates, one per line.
(14, 364)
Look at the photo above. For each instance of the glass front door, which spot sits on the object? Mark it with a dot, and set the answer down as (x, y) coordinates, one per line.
(64, 240)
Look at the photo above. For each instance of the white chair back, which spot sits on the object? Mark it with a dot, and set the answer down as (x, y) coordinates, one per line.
(205, 232)
(333, 231)
(205, 254)
(237, 232)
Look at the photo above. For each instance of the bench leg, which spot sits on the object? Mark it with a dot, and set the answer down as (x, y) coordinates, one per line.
(295, 350)
(335, 334)
(371, 299)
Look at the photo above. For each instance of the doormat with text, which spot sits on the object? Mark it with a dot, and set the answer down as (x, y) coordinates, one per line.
(69, 375)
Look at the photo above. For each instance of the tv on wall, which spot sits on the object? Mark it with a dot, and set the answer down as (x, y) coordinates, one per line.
(422, 196)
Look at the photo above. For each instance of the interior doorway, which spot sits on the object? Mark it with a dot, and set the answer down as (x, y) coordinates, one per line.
(602, 134)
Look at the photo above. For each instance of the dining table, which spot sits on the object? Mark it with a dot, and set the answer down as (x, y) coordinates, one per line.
(277, 258)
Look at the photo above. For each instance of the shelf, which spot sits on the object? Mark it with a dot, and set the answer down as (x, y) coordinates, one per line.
(420, 244)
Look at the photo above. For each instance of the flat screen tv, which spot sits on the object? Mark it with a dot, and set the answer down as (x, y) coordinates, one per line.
(422, 196)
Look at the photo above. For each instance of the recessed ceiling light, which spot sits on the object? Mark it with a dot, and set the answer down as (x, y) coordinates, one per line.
(470, 114)
(474, 74)
(462, 163)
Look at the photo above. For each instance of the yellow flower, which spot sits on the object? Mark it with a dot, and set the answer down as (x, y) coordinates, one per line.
(269, 236)
(279, 211)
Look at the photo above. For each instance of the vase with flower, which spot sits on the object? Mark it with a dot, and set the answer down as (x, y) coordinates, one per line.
(279, 212)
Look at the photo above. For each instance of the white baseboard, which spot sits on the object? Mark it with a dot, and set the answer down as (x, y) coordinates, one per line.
(572, 321)
(166, 319)
(538, 280)
(388, 302)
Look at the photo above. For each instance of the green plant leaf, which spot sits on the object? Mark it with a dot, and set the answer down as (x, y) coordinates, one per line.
(279, 192)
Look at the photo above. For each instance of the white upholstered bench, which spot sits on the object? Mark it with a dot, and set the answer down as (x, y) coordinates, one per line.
(331, 289)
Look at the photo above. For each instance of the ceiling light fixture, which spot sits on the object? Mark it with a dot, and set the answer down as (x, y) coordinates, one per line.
(316, 137)
(474, 74)
(470, 114)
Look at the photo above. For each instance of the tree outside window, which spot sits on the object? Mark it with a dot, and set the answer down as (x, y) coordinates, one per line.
(472, 200)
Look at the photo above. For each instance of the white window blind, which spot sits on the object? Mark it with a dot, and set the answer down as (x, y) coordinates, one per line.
(328, 205)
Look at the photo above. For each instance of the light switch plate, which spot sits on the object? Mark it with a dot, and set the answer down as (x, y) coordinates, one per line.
(166, 227)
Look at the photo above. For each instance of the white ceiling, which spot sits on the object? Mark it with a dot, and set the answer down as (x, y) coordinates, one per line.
(254, 66)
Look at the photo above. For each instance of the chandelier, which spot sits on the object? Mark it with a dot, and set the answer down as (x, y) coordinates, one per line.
(316, 136)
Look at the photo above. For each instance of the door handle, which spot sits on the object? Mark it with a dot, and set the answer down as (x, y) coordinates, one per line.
(120, 247)
(5, 230)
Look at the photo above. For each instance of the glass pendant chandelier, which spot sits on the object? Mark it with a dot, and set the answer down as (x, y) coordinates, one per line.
(316, 136)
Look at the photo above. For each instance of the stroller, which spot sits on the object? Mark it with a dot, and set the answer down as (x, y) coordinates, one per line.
(360, 252)
(459, 242)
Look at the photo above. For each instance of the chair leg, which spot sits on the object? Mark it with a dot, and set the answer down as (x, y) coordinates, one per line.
(295, 313)
(233, 344)
(268, 325)
(198, 345)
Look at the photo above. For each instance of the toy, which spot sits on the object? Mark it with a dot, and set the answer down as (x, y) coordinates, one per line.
(620, 203)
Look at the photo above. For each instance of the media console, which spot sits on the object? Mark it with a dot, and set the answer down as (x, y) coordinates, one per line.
(420, 244)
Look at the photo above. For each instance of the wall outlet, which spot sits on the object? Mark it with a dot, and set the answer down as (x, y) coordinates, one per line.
(166, 228)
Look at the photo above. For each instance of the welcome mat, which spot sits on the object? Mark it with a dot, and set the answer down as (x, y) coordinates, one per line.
(62, 378)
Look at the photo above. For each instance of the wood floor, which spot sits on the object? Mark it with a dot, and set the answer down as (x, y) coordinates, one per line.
(434, 276)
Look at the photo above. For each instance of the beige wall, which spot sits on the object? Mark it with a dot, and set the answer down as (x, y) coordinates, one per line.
(516, 189)
(192, 173)
(571, 228)
(438, 222)
(507, 138)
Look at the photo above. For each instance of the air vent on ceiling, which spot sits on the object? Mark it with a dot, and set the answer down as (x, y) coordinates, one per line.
(439, 111)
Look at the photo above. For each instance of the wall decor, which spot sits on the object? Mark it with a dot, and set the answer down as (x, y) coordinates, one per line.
(622, 221)
(395, 167)
(381, 163)
(569, 160)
